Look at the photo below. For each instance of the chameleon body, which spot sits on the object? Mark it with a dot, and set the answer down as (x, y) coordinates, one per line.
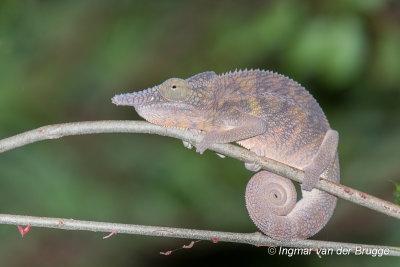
(268, 114)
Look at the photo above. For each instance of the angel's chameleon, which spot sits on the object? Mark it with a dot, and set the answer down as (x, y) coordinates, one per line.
(268, 114)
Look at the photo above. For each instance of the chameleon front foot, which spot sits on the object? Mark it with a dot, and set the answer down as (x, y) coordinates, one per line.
(205, 143)
(187, 144)
(203, 148)
(190, 146)
(194, 132)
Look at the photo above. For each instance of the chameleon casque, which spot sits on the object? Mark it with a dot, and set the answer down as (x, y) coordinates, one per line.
(269, 114)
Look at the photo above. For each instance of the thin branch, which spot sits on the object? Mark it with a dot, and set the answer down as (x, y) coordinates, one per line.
(93, 127)
(256, 239)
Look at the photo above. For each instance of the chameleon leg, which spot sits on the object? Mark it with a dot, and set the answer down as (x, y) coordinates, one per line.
(250, 126)
(187, 144)
(322, 160)
(254, 167)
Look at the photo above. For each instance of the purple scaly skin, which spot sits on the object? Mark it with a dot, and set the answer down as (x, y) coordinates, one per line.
(269, 114)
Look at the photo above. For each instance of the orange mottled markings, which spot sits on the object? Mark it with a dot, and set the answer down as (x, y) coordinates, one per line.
(318, 140)
(210, 124)
(277, 129)
(184, 124)
(255, 107)
(296, 113)
(247, 83)
(168, 122)
(274, 105)
(202, 125)
(279, 79)
(221, 102)
(300, 115)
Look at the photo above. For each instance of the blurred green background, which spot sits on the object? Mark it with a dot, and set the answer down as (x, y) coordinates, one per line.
(62, 61)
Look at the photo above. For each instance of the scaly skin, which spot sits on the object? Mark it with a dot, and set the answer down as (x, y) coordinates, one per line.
(268, 114)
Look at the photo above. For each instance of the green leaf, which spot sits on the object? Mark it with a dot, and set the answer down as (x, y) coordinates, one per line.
(396, 193)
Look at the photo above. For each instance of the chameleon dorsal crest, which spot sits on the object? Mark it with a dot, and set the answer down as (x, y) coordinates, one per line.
(269, 114)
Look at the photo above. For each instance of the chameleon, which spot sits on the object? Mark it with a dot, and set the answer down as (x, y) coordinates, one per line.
(268, 114)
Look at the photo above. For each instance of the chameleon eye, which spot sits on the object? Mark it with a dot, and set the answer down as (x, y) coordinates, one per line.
(175, 89)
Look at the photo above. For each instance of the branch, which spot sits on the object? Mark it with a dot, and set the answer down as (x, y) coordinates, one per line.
(94, 127)
(256, 239)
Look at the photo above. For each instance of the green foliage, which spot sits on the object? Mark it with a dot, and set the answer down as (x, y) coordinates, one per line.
(330, 47)
(396, 193)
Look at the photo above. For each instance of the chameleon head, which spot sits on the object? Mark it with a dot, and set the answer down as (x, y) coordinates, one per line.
(172, 103)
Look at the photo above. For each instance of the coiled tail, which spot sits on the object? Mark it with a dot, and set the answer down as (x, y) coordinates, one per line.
(271, 203)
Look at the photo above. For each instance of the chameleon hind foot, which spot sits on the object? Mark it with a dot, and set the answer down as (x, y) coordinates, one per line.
(252, 166)
(321, 161)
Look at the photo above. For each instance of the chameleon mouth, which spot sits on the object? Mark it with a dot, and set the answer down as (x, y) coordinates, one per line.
(168, 114)
(171, 106)
(160, 113)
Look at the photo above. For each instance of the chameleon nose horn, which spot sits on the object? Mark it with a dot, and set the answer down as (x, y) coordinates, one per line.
(130, 99)
(134, 99)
